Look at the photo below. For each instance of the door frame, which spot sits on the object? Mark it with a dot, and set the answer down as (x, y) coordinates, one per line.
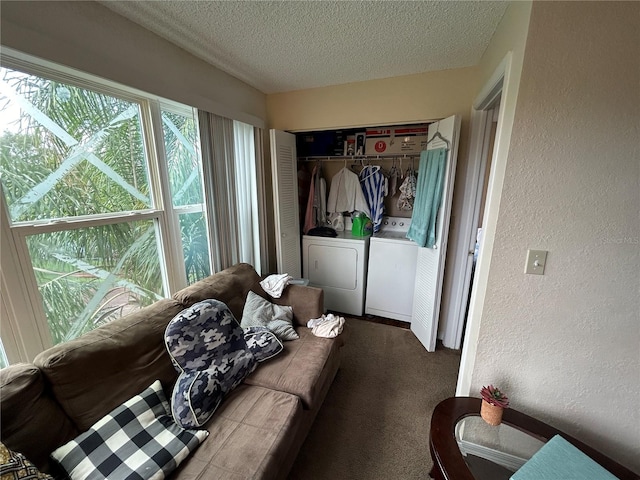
(481, 122)
(506, 80)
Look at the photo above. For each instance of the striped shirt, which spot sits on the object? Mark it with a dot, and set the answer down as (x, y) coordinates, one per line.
(375, 187)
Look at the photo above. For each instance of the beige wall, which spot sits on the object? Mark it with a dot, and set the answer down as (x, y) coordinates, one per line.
(505, 53)
(506, 50)
(565, 346)
(92, 38)
(410, 98)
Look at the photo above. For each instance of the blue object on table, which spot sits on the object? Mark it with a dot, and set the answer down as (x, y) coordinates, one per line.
(560, 460)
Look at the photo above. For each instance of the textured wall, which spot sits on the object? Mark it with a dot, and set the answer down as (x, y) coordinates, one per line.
(566, 345)
(508, 42)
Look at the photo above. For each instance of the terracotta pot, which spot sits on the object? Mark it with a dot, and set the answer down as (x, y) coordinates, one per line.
(492, 414)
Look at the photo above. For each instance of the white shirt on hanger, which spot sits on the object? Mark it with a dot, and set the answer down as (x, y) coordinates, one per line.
(346, 194)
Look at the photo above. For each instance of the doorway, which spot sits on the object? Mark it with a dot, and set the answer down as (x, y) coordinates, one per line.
(500, 91)
(484, 128)
(486, 161)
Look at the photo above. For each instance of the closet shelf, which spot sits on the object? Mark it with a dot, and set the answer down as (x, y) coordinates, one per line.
(387, 156)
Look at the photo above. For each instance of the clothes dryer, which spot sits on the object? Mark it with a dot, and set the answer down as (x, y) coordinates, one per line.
(338, 266)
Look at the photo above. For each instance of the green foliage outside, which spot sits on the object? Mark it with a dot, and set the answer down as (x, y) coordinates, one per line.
(82, 153)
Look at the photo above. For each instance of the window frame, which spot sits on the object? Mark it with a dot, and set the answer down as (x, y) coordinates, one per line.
(25, 330)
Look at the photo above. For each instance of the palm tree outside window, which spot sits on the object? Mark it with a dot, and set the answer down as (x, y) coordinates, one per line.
(95, 184)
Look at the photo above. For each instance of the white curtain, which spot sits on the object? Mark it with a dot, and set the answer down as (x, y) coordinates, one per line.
(231, 187)
(247, 194)
(258, 140)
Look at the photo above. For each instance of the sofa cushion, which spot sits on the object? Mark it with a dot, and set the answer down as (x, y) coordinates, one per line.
(260, 312)
(26, 407)
(249, 437)
(300, 368)
(137, 440)
(230, 286)
(100, 370)
(208, 347)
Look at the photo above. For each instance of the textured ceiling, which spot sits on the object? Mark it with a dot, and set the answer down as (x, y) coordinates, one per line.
(279, 46)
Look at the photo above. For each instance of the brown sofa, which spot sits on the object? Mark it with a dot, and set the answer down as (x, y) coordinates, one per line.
(255, 434)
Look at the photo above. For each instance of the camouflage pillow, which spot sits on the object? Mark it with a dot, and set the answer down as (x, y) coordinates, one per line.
(262, 342)
(208, 348)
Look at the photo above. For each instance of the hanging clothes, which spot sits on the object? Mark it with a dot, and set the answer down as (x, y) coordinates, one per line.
(407, 191)
(394, 174)
(375, 187)
(346, 194)
(316, 212)
(304, 188)
(320, 201)
(428, 197)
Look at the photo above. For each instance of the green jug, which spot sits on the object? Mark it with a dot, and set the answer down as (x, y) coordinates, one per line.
(361, 225)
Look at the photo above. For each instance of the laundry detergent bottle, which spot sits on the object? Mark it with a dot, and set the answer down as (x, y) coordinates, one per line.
(361, 225)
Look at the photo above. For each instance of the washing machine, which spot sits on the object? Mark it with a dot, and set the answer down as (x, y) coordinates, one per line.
(391, 273)
(338, 265)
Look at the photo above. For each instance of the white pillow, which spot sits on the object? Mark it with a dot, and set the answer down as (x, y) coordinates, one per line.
(259, 312)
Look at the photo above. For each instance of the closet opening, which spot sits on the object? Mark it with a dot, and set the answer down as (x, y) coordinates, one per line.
(393, 267)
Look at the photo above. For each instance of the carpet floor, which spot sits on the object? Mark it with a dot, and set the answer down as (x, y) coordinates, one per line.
(374, 423)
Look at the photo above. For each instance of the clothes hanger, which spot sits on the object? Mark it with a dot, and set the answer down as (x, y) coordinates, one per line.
(439, 135)
(410, 170)
(371, 170)
(375, 169)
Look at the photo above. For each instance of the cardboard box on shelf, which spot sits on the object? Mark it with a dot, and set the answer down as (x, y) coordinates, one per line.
(396, 140)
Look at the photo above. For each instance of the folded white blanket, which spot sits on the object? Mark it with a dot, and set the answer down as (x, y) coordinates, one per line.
(327, 326)
(274, 285)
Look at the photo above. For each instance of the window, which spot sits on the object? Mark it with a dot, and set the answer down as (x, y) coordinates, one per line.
(96, 182)
(185, 177)
(4, 361)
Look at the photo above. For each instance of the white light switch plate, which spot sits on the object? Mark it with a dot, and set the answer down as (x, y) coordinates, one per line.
(536, 260)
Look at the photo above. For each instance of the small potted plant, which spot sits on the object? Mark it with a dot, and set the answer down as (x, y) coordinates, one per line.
(493, 404)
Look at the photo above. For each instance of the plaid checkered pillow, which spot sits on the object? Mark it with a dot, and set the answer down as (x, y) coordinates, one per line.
(138, 440)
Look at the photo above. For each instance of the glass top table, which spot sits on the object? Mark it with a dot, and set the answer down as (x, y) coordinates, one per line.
(494, 453)
(464, 447)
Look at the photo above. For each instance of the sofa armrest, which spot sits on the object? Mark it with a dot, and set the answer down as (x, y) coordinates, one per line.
(307, 302)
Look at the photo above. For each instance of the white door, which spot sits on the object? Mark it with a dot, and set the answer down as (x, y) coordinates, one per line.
(430, 264)
(285, 202)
